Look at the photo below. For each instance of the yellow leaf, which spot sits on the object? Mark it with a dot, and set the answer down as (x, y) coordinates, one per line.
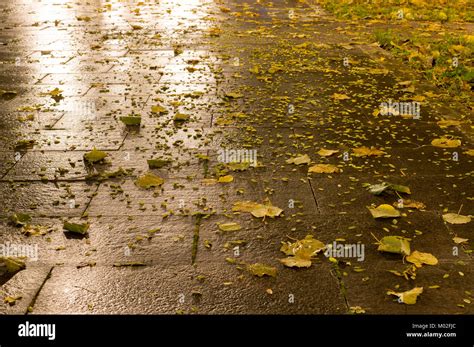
(257, 210)
(226, 179)
(245, 206)
(302, 159)
(384, 211)
(444, 123)
(356, 310)
(10, 300)
(295, 262)
(327, 152)
(149, 180)
(419, 98)
(454, 218)
(366, 151)
(409, 297)
(56, 92)
(233, 95)
(420, 258)
(158, 109)
(303, 249)
(445, 142)
(229, 226)
(261, 270)
(337, 96)
(470, 152)
(95, 156)
(458, 240)
(410, 204)
(394, 244)
(324, 168)
(181, 117)
(209, 181)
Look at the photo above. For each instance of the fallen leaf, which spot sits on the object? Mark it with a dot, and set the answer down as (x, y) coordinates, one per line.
(410, 204)
(337, 96)
(226, 179)
(245, 206)
(131, 120)
(367, 152)
(324, 168)
(261, 270)
(454, 218)
(394, 244)
(11, 264)
(10, 300)
(229, 226)
(257, 210)
(158, 109)
(55, 92)
(384, 211)
(302, 159)
(470, 152)
(458, 240)
(448, 122)
(420, 258)
(445, 142)
(209, 181)
(35, 230)
(409, 297)
(20, 219)
(157, 163)
(233, 95)
(266, 210)
(76, 228)
(295, 262)
(94, 156)
(303, 249)
(181, 117)
(356, 310)
(378, 189)
(327, 152)
(242, 166)
(149, 180)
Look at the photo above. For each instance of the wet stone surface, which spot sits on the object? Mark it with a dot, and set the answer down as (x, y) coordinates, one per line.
(226, 93)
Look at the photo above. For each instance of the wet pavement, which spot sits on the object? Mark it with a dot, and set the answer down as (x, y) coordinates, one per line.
(280, 78)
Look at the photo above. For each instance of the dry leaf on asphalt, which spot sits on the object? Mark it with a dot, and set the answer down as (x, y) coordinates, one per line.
(420, 258)
(394, 244)
(444, 123)
(261, 270)
(324, 168)
(407, 203)
(454, 218)
(409, 297)
(256, 209)
(337, 96)
(295, 262)
(149, 180)
(327, 152)
(229, 226)
(305, 248)
(384, 211)
(95, 156)
(367, 152)
(226, 179)
(445, 142)
(458, 240)
(301, 159)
